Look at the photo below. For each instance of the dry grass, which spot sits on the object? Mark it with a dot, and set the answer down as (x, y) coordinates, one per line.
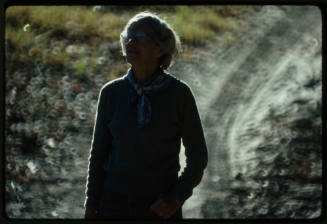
(194, 24)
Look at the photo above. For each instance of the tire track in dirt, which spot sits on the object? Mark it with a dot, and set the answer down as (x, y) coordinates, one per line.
(288, 72)
(224, 79)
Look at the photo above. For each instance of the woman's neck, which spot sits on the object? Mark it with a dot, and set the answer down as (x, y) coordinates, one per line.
(143, 73)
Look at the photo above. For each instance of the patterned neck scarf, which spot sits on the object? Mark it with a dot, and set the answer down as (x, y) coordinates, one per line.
(138, 93)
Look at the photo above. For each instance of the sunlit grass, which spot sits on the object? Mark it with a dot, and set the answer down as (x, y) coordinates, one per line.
(51, 17)
(20, 42)
(18, 16)
(66, 19)
(111, 25)
(195, 25)
(228, 10)
(188, 25)
(217, 22)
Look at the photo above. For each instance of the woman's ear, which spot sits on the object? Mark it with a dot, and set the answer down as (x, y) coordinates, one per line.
(159, 52)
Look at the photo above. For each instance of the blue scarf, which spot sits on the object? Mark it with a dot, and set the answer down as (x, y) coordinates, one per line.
(138, 93)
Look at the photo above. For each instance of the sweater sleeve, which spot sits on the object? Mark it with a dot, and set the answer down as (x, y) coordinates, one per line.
(195, 150)
(100, 145)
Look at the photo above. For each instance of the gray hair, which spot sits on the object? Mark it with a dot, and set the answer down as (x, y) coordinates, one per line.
(163, 35)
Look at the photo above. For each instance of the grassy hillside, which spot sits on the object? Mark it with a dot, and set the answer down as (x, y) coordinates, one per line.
(42, 33)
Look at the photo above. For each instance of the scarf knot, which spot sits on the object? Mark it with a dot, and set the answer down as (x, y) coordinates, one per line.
(139, 92)
(137, 96)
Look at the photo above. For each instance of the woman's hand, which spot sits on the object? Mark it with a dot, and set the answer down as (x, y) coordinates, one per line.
(90, 212)
(165, 208)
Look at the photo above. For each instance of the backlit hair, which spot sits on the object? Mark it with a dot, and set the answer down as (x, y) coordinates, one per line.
(162, 33)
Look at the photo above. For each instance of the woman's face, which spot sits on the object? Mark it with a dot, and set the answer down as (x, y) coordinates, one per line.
(141, 49)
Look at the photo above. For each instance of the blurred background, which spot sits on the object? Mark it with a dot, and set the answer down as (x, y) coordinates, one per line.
(256, 75)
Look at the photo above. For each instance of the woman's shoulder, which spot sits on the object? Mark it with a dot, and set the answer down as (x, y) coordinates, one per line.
(113, 85)
(179, 84)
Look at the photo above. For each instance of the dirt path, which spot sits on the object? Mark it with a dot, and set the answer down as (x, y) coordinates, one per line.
(229, 84)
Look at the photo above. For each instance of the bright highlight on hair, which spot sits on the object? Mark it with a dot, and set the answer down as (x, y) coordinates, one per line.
(162, 33)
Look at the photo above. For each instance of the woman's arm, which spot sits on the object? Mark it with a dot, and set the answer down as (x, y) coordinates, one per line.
(195, 149)
(101, 144)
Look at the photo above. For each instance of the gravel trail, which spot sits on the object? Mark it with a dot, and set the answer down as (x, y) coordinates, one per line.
(230, 85)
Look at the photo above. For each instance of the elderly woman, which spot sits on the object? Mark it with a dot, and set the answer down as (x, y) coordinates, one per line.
(140, 121)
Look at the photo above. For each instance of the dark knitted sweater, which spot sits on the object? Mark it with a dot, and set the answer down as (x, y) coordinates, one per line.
(145, 159)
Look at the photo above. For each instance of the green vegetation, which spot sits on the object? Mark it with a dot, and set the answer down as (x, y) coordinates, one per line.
(31, 31)
(199, 23)
(81, 65)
